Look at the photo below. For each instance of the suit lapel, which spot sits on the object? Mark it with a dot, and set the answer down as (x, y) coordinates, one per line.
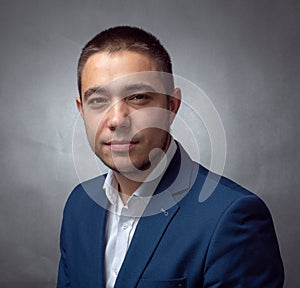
(159, 213)
(101, 243)
(143, 246)
(97, 243)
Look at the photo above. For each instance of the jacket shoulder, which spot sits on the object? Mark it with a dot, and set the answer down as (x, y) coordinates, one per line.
(86, 195)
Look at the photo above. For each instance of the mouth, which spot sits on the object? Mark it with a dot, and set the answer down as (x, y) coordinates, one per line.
(121, 145)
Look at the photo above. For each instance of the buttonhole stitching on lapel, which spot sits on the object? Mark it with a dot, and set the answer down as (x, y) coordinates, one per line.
(166, 213)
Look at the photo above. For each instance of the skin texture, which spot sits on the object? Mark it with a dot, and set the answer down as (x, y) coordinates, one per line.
(127, 114)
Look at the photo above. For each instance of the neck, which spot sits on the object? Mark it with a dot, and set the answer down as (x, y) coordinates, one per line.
(126, 186)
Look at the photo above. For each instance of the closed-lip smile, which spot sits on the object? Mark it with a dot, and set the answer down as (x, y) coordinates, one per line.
(121, 145)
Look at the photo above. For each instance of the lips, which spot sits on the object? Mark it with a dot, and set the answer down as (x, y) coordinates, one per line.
(121, 145)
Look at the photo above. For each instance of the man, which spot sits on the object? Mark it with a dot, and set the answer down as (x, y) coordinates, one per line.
(142, 225)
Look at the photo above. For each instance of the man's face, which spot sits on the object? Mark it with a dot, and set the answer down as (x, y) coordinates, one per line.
(125, 111)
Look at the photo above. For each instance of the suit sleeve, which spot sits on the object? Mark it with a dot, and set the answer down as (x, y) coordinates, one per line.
(243, 250)
(63, 278)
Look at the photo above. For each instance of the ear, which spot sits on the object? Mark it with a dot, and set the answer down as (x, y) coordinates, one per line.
(174, 103)
(79, 106)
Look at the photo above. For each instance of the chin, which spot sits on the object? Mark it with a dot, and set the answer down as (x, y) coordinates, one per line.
(128, 167)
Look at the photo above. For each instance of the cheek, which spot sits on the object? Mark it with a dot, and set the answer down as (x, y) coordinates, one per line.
(155, 136)
(151, 118)
(93, 126)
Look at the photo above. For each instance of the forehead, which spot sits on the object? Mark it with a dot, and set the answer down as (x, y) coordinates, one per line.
(104, 68)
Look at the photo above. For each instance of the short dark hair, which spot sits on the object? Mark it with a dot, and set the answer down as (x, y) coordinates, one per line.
(126, 38)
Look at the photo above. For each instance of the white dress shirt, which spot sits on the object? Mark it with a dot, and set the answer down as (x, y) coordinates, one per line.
(122, 219)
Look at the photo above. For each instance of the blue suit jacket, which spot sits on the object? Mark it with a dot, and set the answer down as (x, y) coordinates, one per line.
(228, 240)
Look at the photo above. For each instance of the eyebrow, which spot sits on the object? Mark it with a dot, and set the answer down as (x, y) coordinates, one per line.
(128, 88)
(139, 87)
(95, 90)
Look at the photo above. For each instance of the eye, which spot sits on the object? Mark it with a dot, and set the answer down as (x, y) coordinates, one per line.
(97, 101)
(140, 98)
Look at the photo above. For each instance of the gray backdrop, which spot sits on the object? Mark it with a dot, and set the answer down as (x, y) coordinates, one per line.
(243, 54)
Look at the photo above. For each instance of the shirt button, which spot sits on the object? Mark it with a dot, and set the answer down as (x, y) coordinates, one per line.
(124, 226)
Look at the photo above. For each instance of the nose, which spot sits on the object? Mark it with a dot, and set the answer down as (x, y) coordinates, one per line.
(117, 116)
